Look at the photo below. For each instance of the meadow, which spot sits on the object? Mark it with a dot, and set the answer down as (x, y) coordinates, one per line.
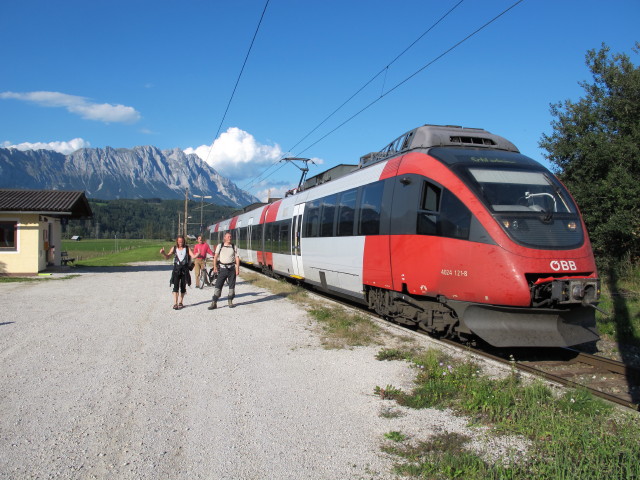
(113, 252)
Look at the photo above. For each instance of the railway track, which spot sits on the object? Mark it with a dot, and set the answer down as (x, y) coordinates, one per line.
(608, 379)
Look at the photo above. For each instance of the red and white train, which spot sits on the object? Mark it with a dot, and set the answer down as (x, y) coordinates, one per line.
(447, 228)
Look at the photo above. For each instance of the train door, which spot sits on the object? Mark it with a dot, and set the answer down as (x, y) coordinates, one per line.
(296, 250)
(251, 250)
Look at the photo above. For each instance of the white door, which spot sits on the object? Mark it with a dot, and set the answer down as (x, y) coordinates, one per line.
(296, 230)
(251, 254)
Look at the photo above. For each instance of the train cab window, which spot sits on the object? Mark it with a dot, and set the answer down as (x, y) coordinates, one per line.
(431, 197)
(455, 217)
(429, 208)
(370, 208)
(311, 222)
(328, 215)
(522, 191)
(442, 214)
(346, 212)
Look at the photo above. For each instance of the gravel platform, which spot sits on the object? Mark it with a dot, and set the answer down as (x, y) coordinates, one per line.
(100, 378)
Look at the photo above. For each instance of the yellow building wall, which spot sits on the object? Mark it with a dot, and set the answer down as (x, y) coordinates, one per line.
(30, 256)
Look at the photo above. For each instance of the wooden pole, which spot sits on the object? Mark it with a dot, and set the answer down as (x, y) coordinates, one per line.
(186, 203)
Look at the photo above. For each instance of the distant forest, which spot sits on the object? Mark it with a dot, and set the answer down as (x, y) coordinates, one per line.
(144, 218)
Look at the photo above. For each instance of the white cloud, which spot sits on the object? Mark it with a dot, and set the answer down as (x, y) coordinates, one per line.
(236, 154)
(103, 112)
(61, 147)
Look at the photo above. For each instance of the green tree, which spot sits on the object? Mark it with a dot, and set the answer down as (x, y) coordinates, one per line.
(595, 150)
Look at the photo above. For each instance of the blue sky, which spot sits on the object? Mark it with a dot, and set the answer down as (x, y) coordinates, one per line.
(127, 73)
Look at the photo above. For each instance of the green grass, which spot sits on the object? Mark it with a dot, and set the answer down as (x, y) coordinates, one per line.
(571, 436)
(108, 253)
(342, 328)
(621, 299)
(33, 279)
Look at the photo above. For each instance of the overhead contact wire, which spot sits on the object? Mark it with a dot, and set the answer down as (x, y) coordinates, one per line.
(238, 79)
(383, 70)
(411, 76)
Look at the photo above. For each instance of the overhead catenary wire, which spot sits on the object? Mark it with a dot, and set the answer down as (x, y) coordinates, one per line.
(385, 69)
(235, 87)
(411, 76)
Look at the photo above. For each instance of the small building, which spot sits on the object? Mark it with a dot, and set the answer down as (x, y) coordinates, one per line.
(31, 227)
(76, 238)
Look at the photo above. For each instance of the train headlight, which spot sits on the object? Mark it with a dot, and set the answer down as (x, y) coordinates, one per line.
(506, 223)
(572, 226)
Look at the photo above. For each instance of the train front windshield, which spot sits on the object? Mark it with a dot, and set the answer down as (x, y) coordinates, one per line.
(521, 191)
(530, 205)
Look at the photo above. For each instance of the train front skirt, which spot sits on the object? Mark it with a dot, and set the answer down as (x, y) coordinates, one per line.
(542, 327)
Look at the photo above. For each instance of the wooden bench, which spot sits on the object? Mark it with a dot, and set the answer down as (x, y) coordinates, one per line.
(64, 258)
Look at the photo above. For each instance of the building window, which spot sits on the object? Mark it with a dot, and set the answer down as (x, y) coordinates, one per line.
(8, 236)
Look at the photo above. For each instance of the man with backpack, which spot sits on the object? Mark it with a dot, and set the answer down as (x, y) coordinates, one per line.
(226, 263)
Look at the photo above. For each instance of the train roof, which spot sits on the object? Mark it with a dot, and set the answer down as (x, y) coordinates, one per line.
(424, 137)
(331, 174)
(429, 136)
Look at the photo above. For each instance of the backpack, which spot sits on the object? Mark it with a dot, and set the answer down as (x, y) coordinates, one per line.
(222, 245)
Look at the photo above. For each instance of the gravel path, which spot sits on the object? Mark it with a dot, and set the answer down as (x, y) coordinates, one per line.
(100, 378)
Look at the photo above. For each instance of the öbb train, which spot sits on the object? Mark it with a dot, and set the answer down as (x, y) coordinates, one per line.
(449, 229)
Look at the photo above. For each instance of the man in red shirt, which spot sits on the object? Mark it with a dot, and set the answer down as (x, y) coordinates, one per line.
(201, 249)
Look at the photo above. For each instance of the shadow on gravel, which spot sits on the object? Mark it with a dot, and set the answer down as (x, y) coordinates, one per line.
(222, 302)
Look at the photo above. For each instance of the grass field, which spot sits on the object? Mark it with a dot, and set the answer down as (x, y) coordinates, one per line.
(105, 253)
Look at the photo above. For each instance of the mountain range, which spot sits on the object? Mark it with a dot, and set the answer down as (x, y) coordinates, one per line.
(115, 173)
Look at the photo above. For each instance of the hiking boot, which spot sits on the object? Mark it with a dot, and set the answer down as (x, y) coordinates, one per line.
(231, 305)
(213, 306)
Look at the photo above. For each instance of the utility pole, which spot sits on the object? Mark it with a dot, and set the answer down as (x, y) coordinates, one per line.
(186, 205)
(201, 210)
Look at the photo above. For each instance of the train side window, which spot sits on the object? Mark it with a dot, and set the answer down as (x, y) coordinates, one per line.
(328, 215)
(256, 236)
(311, 221)
(370, 208)
(268, 229)
(285, 239)
(346, 212)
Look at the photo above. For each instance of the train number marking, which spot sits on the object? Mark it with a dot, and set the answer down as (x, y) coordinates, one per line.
(564, 265)
(454, 273)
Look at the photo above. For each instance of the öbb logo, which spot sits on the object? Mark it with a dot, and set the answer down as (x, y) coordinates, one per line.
(564, 265)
